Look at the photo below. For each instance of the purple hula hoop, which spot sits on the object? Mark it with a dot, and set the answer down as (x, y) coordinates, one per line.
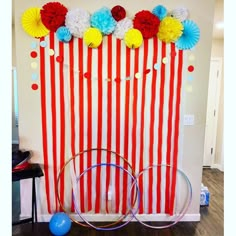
(133, 212)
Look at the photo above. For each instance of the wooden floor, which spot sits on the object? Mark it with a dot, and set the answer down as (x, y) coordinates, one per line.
(211, 223)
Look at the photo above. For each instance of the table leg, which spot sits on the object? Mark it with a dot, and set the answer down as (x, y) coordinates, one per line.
(33, 199)
(35, 203)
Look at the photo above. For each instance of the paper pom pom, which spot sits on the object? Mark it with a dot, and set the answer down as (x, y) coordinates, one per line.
(63, 34)
(170, 29)
(180, 13)
(133, 38)
(122, 27)
(160, 11)
(32, 24)
(118, 13)
(103, 20)
(77, 21)
(92, 37)
(53, 15)
(190, 36)
(147, 23)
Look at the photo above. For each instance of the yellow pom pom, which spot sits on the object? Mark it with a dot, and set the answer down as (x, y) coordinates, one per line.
(32, 23)
(133, 38)
(170, 29)
(93, 37)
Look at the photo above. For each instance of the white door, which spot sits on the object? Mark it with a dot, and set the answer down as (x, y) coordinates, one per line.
(212, 111)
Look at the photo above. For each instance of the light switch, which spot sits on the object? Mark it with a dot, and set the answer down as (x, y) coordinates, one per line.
(189, 119)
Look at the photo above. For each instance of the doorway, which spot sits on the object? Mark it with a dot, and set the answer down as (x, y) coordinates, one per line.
(212, 111)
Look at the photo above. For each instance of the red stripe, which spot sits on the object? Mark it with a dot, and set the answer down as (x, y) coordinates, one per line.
(169, 130)
(62, 124)
(72, 106)
(126, 132)
(89, 100)
(117, 173)
(53, 113)
(109, 112)
(160, 127)
(143, 97)
(134, 114)
(72, 96)
(152, 120)
(176, 133)
(44, 123)
(99, 131)
(81, 119)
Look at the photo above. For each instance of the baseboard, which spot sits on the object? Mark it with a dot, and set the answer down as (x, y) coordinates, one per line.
(218, 166)
(114, 217)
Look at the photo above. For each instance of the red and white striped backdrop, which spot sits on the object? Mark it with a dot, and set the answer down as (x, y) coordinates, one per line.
(137, 118)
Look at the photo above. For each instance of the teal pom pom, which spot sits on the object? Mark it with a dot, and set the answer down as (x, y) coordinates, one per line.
(63, 34)
(160, 11)
(103, 20)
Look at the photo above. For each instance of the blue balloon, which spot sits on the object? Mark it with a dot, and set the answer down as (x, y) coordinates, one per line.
(60, 224)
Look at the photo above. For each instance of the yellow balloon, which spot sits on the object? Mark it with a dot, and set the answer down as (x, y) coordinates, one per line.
(93, 37)
(133, 38)
(32, 23)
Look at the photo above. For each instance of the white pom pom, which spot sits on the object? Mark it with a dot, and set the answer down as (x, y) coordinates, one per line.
(122, 27)
(180, 13)
(77, 21)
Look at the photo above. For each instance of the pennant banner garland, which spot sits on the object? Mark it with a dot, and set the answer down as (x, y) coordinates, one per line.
(116, 86)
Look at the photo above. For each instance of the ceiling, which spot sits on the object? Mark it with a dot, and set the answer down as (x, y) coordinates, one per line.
(218, 33)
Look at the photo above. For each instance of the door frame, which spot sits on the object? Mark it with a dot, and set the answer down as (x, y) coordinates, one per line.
(220, 60)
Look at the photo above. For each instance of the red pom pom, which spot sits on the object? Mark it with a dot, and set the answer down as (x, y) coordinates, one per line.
(147, 23)
(118, 12)
(53, 15)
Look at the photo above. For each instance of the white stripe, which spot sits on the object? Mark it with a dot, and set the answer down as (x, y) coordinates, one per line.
(156, 126)
(68, 153)
(122, 117)
(139, 101)
(113, 120)
(104, 126)
(156, 120)
(147, 107)
(132, 53)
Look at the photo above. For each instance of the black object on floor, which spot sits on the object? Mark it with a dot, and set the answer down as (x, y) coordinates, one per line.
(32, 171)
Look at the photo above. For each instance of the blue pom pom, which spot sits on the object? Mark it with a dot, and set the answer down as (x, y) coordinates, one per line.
(63, 34)
(103, 20)
(160, 11)
(190, 36)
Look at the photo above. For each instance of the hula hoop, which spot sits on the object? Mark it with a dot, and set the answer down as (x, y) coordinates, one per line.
(78, 155)
(134, 212)
(183, 210)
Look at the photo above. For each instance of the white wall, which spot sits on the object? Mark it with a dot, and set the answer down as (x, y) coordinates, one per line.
(201, 12)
